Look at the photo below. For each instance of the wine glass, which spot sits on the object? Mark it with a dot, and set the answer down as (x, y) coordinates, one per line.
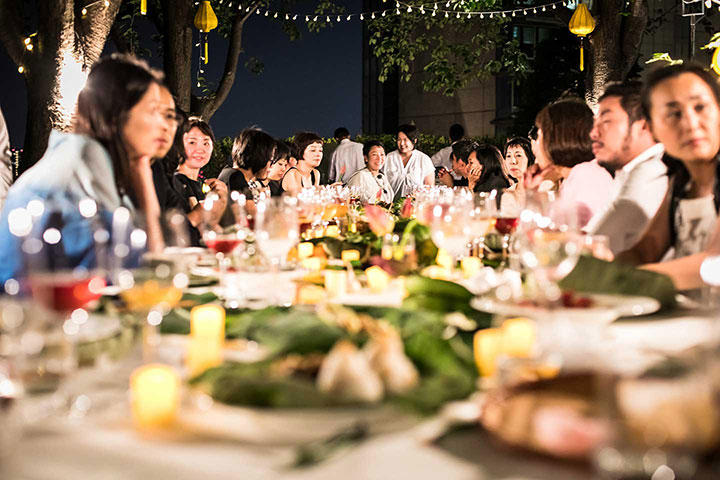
(482, 219)
(65, 264)
(450, 227)
(277, 228)
(224, 241)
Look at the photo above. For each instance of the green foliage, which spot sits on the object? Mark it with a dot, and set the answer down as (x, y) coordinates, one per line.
(449, 50)
(665, 57)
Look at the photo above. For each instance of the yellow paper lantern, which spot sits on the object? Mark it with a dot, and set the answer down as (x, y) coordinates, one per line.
(715, 65)
(143, 7)
(205, 20)
(581, 24)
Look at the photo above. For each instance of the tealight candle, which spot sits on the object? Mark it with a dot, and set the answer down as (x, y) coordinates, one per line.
(487, 345)
(305, 250)
(437, 272)
(470, 266)
(155, 394)
(444, 259)
(335, 282)
(350, 255)
(310, 295)
(332, 231)
(207, 322)
(518, 337)
(314, 264)
(377, 279)
(207, 338)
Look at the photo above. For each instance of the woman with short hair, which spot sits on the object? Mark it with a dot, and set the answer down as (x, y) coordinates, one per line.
(408, 168)
(563, 154)
(251, 153)
(372, 185)
(305, 174)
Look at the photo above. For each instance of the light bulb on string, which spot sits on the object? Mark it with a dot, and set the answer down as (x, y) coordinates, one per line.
(446, 15)
(267, 12)
(373, 16)
(287, 17)
(327, 18)
(275, 16)
(384, 12)
(21, 69)
(362, 17)
(348, 18)
(338, 18)
(295, 17)
(409, 10)
(482, 16)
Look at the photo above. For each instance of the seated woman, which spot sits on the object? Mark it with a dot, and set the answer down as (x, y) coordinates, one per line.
(373, 186)
(682, 105)
(518, 157)
(408, 168)
(125, 117)
(485, 163)
(277, 169)
(563, 152)
(305, 174)
(251, 153)
(198, 141)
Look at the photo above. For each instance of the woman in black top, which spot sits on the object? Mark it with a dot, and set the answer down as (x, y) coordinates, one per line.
(488, 160)
(277, 168)
(198, 141)
(251, 153)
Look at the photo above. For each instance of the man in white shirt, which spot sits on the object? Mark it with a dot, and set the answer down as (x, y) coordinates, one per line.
(5, 161)
(408, 168)
(623, 144)
(442, 157)
(347, 157)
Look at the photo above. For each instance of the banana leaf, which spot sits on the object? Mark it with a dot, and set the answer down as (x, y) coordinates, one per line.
(592, 275)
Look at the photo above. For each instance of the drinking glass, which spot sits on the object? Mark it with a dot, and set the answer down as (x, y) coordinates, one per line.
(482, 219)
(224, 241)
(277, 229)
(65, 261)
(450, 227)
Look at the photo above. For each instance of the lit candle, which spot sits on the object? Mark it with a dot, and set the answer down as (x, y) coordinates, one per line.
(335, 282)
(207, 338)
(444, 259)
(436, 272)
(332, 231)
(155, 394)
(518, 337)
(487, 345)
(305, 250)
(350, 256)
(377, 279)
(207, 322)
(314, 264)
(310, 295)
(202, 354)
(470, 266)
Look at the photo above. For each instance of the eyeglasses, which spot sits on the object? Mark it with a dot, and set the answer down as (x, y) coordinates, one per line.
(533, 133)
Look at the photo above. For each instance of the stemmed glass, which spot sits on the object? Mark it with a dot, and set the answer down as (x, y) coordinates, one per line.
(223, 243)
(277, 228)
(64, 245)
(482, 219)
(450, 226)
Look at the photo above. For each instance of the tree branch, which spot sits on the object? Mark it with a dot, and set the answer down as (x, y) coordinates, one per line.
(94, 28)
(633, 31)
(117, 37)
(210, 106)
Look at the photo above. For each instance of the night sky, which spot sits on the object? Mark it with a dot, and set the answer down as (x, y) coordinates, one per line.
(314, 83)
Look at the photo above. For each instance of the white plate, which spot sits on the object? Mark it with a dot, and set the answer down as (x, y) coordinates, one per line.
(606, 308)
(286, 426)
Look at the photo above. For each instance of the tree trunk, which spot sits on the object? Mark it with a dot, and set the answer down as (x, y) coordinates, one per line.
(614, 45)
(66, 46)
(178, 18)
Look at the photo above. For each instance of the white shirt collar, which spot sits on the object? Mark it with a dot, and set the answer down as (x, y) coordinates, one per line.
(345, 140)
(653, 152)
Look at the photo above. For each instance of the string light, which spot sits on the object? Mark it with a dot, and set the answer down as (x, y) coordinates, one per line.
(402, 7)
(21, 69)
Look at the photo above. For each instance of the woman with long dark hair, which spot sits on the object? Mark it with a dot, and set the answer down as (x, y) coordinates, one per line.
(682, 105)
(125, 118)
(488, 160)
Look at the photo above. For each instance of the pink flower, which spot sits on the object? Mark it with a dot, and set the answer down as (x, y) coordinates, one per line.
(381, 222)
